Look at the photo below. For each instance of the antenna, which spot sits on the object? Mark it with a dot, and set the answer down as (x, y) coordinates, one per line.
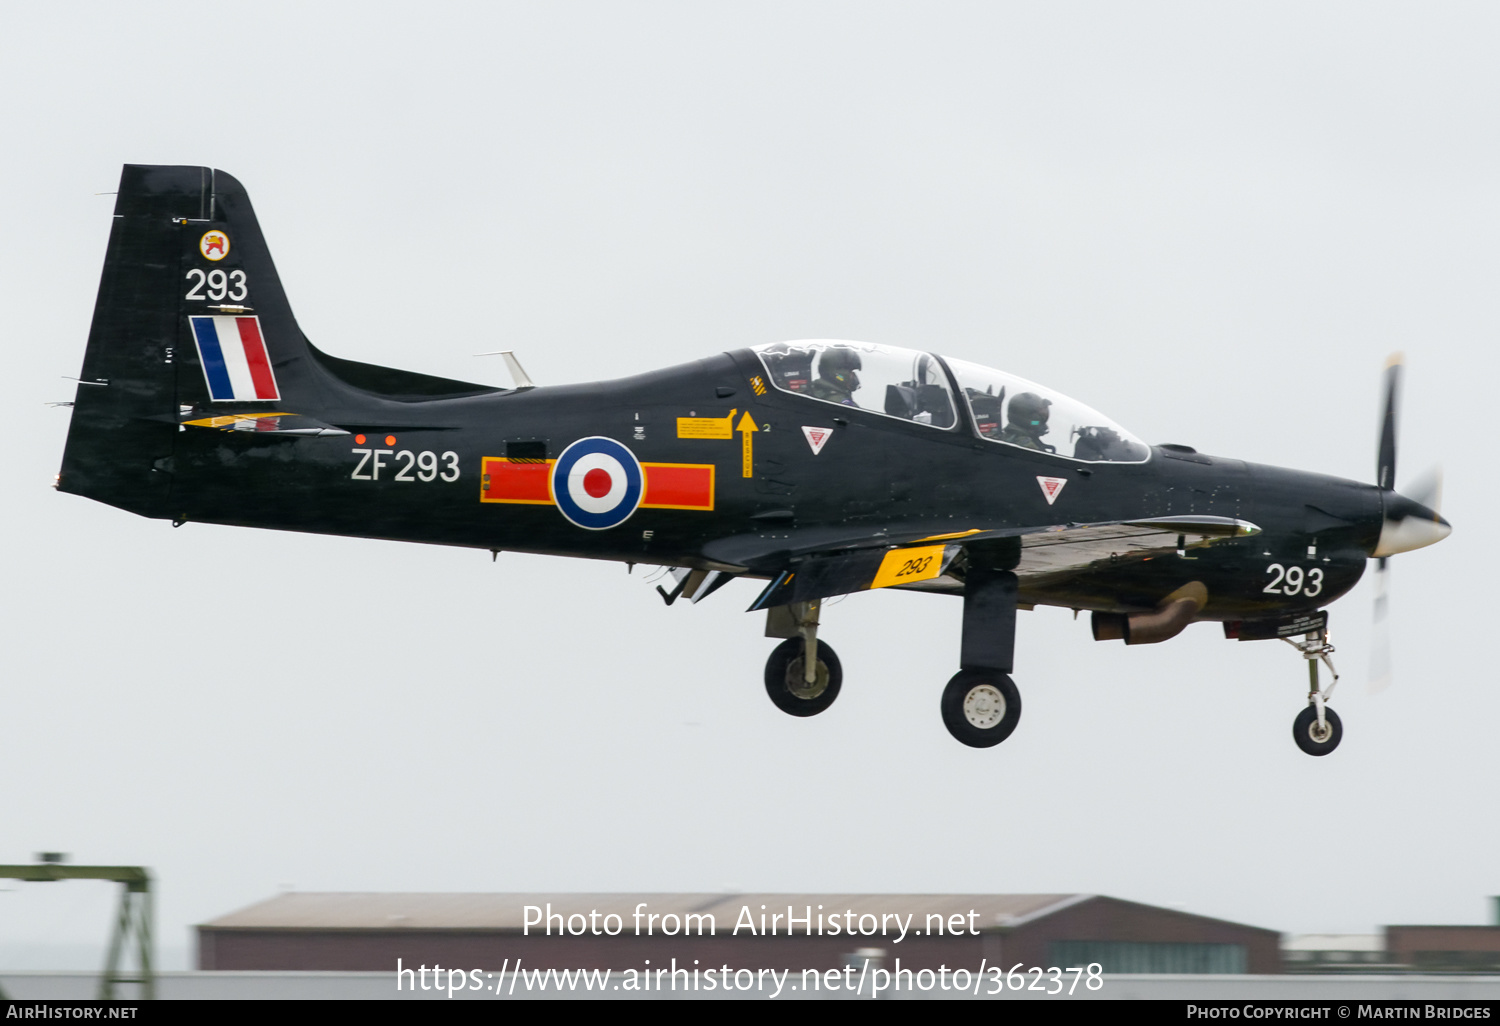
(517, 372)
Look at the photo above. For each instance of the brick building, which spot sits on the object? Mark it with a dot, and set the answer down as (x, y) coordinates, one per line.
(310, 931)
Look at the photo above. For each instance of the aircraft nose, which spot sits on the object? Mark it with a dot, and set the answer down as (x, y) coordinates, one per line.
(1408, 525)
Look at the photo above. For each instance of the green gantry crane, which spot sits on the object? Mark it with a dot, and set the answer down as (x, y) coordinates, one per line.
(133, 924)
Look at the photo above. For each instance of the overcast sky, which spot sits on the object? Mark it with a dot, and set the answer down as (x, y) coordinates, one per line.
(1212, 222)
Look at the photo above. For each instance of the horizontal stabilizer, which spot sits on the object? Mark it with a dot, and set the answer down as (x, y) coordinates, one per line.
(266, 423)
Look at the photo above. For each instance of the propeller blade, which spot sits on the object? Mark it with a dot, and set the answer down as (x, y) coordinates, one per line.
(1428, 489)
(1385, 463)
(1380, 635)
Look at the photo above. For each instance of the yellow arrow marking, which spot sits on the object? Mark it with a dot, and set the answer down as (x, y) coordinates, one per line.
(747, 426)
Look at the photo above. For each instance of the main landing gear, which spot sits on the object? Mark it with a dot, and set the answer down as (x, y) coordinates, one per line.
(980, 705)
(1317, 729)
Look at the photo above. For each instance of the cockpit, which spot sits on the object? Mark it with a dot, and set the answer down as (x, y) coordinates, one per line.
(920, 388)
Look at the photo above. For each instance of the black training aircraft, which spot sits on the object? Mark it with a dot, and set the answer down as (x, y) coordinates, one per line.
(818, 467)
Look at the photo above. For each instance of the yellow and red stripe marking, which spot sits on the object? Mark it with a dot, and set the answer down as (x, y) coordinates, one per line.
(678, 486)
(529, 482)
(522, 481)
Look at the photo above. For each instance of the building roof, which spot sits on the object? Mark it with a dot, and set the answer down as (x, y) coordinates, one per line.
(296, 910)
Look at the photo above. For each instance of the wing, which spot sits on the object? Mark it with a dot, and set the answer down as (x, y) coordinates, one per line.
(931, 562)
(1056, 549)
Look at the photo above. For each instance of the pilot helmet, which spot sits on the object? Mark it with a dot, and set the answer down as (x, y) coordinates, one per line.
(1028, 412)
(839, 365)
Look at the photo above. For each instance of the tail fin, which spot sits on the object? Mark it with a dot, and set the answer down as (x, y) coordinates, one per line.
(186, 263)
(191, 320)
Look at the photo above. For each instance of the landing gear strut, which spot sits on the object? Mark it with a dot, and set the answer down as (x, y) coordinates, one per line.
(803, 675)
(1317, 729)
(981, 705)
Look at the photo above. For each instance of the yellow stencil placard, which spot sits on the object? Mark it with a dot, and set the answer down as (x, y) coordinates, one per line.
(706, 427)
(902, 566)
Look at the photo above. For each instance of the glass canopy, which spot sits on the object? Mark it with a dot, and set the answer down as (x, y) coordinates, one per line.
(1014, 411)
(914, 386)
(896, 382)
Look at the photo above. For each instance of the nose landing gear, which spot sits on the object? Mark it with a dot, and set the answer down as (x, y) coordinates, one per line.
(1317, 729)
(803, 675)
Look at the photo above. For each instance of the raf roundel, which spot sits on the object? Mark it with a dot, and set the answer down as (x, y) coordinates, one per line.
(214, 245)
(597, 483)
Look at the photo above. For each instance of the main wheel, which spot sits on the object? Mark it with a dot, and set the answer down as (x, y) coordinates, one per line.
(1312, 740)
(786, 683)
(981, 707)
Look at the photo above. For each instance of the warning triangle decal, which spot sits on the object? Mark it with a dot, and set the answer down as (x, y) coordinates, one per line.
(1051, 487)
(817, 437)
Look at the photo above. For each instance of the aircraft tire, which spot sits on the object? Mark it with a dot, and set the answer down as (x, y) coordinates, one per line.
(1306, 725)
(981, 707)
(786, 687)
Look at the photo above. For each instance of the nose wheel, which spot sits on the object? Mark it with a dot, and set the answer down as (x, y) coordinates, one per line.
(787, 683)
(1317, 729)
(1316, 738)
(803, 675)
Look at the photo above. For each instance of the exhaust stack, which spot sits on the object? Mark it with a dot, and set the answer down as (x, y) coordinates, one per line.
(1174, 613)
